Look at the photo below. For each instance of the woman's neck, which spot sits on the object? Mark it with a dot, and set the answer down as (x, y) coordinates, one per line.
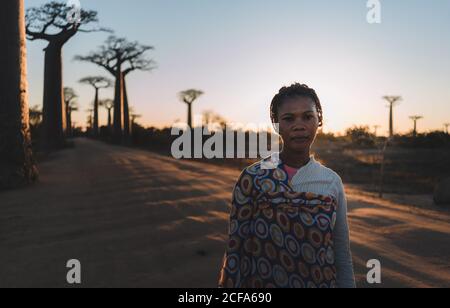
(295, 159)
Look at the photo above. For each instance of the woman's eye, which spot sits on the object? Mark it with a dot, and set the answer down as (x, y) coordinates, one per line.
(288, 119)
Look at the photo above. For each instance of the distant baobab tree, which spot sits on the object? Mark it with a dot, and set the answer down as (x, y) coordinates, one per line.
(415, 118)
(35, 116)
(446, 125)
(97, 82)
(392, 100)
(90, 118)
(108, 104)
(188, 97)
(120, 57)
(210, 117)
(51, 22)
(70, 105)
(133, 118)
(17, 166)
(375, 128)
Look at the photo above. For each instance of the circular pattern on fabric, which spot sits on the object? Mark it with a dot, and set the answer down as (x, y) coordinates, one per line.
(292, 212)
(286, 261)
(328, 239)
(277, 235)
(330, 255)
(253, 169)
(244, 229)
(264, 205)
(230, 283)
(279, 175)
(306, 218)
(249, 245)
(315, 237)
(291, 194)
(296, 282)
(234, 225)
(233, 244)
(292, 245)
(239, 197)
(268, 213)
(323, 221)
(257, 247)
(271, 252)
(311, 196)
(233, 211)
(263, 172)
(245, 212)
(308, 253)
(257, 283)
(303, 269)
(232, 263)
(261, 229)
(321, 256)
(264, 268)
(328, 274)
(317, 275)
(246, 184)
(280, 276)
(245, 266)
(283, 221)
(268, 186)
(299, 231)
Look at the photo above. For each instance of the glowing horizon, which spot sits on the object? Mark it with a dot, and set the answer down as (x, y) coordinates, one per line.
(241, 52)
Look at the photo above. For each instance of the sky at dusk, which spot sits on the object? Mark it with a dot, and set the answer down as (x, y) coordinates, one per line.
(241, 52)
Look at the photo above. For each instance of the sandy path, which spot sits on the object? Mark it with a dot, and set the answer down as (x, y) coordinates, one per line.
(137, 219)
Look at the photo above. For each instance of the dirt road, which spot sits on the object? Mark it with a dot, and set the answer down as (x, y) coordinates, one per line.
(138, 219)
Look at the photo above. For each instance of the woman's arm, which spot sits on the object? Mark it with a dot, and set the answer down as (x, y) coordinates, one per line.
(343, 256)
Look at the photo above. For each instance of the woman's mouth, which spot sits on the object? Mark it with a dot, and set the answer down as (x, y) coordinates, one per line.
(300, 139)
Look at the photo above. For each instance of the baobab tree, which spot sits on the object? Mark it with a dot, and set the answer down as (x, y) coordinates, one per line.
(56, 23)
(446, 125)
(35, 114)
(108, 104)
(17, 166)
(120, 57)
(70, 105)
(392, 100)
(134, 117)
(90, 119)
(188, 97)
(415, 118)
(97, 82)
(375, 128)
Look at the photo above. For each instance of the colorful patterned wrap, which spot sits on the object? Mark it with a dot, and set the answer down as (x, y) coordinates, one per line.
(278, 238)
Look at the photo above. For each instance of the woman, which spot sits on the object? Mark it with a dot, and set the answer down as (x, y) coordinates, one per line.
(288, 222)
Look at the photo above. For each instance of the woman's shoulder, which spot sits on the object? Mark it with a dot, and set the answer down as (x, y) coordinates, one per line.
(325, 172)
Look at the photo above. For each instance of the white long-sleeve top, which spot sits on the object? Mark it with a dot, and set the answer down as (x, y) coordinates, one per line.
(318, 179)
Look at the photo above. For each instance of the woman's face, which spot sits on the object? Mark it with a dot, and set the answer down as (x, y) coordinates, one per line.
(299, 121)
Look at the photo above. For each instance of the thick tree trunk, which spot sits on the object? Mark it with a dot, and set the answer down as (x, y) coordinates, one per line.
(54, 119)
(126, 111)
(69, 125)
(190, 115)
(391, 121)
(118, 108)
(96, 113)
(68, 120)
(109, 119)
(16, 161)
